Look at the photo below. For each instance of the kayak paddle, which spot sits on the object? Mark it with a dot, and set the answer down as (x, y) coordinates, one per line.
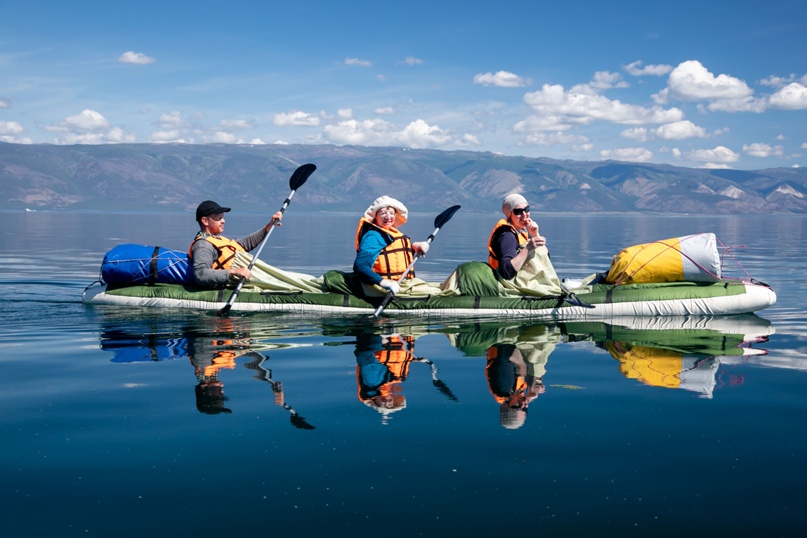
(439, 221)
(295, 182)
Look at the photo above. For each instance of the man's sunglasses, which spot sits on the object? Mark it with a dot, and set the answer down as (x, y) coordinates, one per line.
(519, 210)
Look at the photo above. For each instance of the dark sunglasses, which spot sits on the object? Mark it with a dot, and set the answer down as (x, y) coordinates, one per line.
(519, 210)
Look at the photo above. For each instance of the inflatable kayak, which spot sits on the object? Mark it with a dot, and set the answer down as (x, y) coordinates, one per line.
(139, 276)
(603, 301)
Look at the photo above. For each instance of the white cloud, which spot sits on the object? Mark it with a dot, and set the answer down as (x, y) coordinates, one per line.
(384, 110)
(777, 82)
(680, 130)
(296, 118)
(501, 79)
(637, 70)
(138, 58)
(420, 134)
(11, 131)
(640, 155)
(173, 137)
(172, 119)
(763, 150)
(791, 97)
(89, 127)
(375, 132)
(553, 139)
(356, 61)
(410, 60)
(5, 102)
(584, 105)
(691, 81)
(10, 128)
(345, 113)
(605, 80)
(234, 125)
(720, 154)
(370, 132)
(640, 134)
(532, 124)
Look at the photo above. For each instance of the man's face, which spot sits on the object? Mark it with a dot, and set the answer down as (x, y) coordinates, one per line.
(214, 224)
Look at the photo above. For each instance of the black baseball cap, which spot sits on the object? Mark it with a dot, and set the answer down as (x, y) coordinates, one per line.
(209, 207)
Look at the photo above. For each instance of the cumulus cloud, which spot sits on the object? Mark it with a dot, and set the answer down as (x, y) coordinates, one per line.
(720, 154)
(344, 113)
(137, 58)
(10, 128)
(384, 110)
(5, 102)
(89, 127)
(791, 97)
(605, 80)
(501, 79)
(582, 104)
(296, 118)
(356, 61)
(411, 60)
(639, 155)
(762, 150)
(680, 130)
(691, 81)
(11, 132)
(172, 119)
(375, 132)
(640, 134)
(638, 70)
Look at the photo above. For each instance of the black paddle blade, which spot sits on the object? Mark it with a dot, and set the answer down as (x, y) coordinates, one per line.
(301, 175)
(300, 423)
(445, 216)
(224, 310)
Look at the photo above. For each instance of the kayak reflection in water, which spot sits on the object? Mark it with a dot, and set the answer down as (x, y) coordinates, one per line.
(515, 381)
(382, 364)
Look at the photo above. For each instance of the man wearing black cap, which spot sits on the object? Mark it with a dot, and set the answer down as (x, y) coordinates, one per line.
(212, 254)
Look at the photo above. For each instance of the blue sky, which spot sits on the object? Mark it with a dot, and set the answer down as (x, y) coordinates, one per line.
(690, 83)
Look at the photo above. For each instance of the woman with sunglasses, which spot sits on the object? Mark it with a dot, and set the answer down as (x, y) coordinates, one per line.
(211, 254)
(513, 238)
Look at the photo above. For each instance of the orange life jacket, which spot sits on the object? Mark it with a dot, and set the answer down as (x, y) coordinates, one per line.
(520, 383)
(397, 355)
(393, 259)
(226, 249)
(498, 229)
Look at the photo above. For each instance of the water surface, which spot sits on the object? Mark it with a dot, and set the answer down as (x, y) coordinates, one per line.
(644, 431)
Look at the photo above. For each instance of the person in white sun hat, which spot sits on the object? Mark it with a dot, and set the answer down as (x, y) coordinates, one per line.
(383, 252)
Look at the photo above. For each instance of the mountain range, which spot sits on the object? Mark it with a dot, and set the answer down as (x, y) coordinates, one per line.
(173, 177)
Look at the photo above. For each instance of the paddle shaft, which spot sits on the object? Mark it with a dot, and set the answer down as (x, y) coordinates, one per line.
(297, 179)
(242, 280)
(388, 297)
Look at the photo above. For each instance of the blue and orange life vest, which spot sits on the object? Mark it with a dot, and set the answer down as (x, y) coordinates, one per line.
(393, 259)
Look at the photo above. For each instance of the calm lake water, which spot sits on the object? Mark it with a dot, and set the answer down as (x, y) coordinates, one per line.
(680, 432)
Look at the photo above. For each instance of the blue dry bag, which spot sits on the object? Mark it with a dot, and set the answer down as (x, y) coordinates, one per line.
(140, 264)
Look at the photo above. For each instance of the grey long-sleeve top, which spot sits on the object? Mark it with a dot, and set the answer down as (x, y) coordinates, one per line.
(204, 254)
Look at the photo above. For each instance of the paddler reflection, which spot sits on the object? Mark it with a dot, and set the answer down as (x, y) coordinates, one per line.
(382, 365)
(515, 366)
(211, 350)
